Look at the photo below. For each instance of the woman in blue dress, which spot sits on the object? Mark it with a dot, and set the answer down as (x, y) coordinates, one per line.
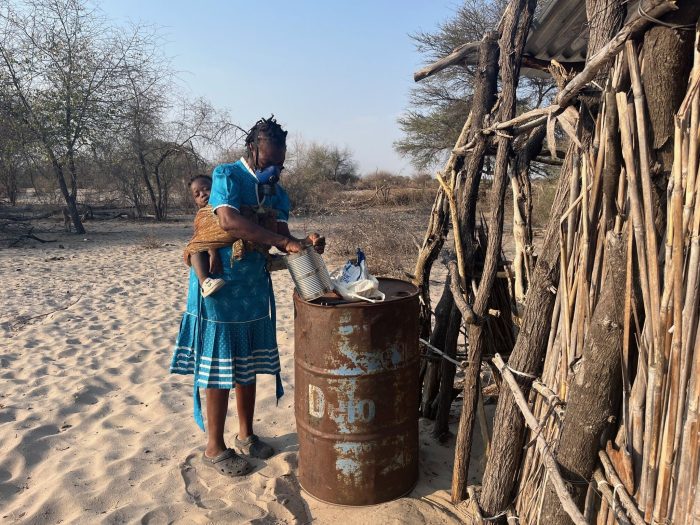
(228, 338)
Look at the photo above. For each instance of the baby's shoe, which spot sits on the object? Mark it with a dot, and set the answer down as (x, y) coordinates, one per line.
(210, 286)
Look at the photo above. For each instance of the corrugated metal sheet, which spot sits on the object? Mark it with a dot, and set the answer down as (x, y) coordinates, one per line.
(560, 30)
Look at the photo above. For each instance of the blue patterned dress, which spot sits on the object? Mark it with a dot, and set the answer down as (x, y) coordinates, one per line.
(230, 337)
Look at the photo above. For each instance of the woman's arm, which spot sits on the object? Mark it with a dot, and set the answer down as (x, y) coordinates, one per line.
(232, 221)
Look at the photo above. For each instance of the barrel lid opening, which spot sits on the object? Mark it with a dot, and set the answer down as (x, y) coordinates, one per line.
(393, 289)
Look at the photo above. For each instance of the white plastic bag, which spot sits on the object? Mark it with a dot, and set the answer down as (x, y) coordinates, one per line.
(354, 282)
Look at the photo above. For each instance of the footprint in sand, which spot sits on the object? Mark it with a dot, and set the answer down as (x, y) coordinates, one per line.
(8, 414)
(284, 501)
(280, 465)
(5, 475)
(211, 497)
(172, 515)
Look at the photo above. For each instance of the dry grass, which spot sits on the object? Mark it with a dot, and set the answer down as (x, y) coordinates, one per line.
(387, 236)
(329, 197)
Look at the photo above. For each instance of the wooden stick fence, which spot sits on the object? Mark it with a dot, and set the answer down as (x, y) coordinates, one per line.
(617, 282)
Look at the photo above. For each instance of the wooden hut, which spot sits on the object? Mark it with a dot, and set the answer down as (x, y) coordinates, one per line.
(598, 372)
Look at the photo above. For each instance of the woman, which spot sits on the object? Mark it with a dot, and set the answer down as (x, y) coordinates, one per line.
(228, 338)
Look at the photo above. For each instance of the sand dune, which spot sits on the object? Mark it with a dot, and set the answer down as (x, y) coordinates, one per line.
(93, 429)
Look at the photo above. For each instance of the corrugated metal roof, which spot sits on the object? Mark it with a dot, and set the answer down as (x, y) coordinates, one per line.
(560, 30)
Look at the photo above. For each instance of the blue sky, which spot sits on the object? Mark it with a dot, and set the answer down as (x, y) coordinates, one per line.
(332, 72)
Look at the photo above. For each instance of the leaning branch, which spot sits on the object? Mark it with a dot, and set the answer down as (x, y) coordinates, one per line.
(465, 52)
(615, 481)
(468, 54)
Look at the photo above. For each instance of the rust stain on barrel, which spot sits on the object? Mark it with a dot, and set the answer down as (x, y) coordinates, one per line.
(356, 396)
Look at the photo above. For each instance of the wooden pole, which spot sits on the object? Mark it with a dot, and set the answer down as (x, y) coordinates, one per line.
(517, 20)
(669, 430)
(465, 52)
(469, 172)
(651, 244)
(526, 150)
(604, 488)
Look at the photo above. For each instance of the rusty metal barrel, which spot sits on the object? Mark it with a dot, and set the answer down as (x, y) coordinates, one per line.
(356, 369)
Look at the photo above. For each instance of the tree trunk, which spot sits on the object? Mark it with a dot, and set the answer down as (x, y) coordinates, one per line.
(485, 83)
(667, 59)
(509, 426)
(595, 392)
(9, 180)
(605, 18)
(447, 374)
(143, 166)
(516, 25)
(73, 170)
(147, 182)
(161, 205)
(70, 200)
(431, 381)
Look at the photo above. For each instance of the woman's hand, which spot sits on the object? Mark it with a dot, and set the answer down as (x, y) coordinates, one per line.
(290, 245)
(317, 241)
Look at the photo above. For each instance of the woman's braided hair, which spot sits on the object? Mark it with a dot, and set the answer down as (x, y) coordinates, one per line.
(270, 129)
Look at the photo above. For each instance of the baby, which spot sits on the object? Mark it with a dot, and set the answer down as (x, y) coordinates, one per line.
(203, 256)
(201, 252)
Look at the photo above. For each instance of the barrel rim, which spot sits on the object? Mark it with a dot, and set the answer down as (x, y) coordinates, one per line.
(362, 304)
(393, 498)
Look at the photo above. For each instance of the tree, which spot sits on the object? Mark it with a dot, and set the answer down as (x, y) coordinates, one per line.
(158, 143)
(329, 163)
(314, 169)
(439, 104)
(60, 61)
(12, 149)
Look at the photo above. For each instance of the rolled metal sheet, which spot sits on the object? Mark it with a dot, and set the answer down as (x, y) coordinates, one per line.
(309, 273)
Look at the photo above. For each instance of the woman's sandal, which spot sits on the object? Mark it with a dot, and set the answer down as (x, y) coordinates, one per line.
(228, 463)
(254, 447)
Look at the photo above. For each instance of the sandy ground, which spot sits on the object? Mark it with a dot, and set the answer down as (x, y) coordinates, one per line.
(93, 429)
